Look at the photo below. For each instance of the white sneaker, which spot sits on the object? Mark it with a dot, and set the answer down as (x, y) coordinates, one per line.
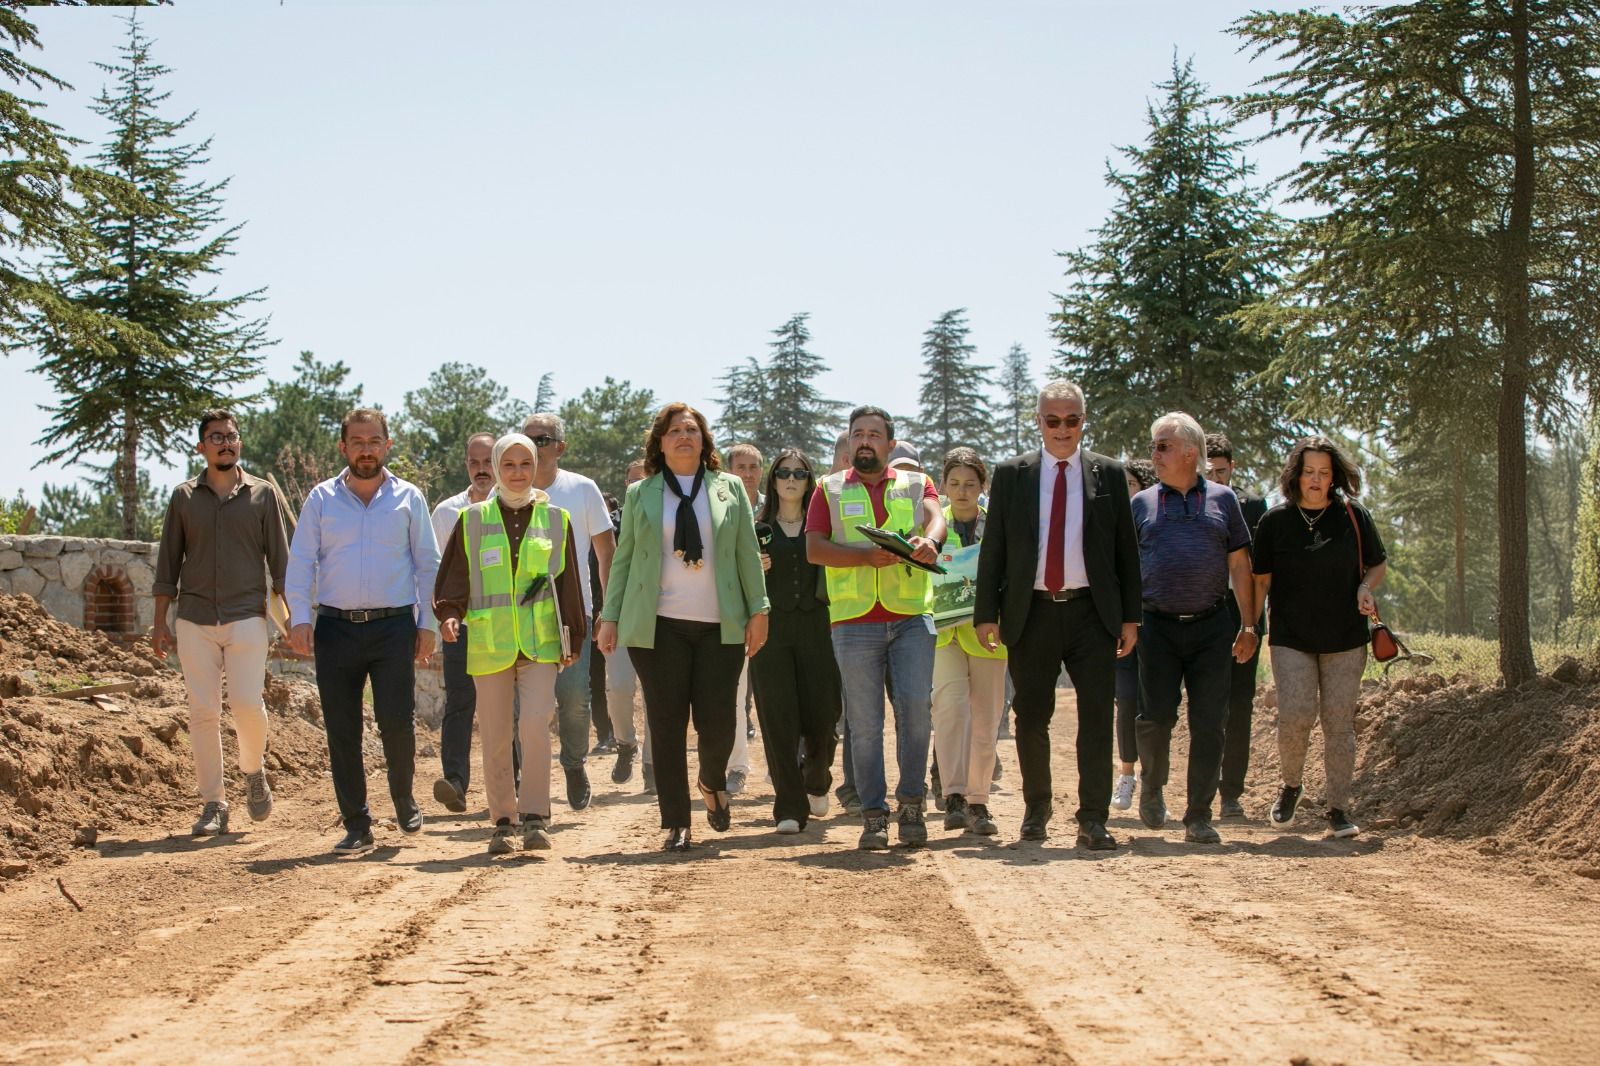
(819, 805)
(1122, 797)
(788, 827)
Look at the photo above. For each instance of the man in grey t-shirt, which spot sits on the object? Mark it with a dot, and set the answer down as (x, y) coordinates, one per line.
(586, 509)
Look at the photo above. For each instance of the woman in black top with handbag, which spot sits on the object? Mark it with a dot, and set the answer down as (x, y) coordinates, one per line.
(795, 676)
(1319, 555)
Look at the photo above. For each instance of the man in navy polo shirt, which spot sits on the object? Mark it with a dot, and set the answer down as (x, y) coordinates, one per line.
(1192, 538)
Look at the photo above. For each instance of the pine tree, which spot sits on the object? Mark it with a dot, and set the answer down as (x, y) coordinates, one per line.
(1144, 326)
(953, 409)
(744, 398)
(1586, 556)
(436, 420)
(149, 266)
(1017, 405)
(796, 414)
(1445, 256)
(39, 184)
(606, 428)
(544, 399)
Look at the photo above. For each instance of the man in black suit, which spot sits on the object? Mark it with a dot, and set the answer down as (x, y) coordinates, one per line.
(1242, 688)
(1058, 583)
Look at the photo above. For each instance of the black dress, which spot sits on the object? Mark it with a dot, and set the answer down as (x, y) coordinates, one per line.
(796, 680)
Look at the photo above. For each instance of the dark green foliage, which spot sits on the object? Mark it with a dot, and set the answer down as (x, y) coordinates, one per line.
(1016, 408)
(606, 427)
(953, 409)
(778, 405)
(294, 434)
(93, 508)
(1145, 325)
(183, 348)
(435, 421)
(1444, 275)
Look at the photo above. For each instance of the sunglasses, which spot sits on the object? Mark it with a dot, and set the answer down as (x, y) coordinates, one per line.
(1070, 421)
(792, 473)
(1165, 446)
(544, 440)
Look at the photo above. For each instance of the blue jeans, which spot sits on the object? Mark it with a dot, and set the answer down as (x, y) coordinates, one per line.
(901, 654)
(572, 709)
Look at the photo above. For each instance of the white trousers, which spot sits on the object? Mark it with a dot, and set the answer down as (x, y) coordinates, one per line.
(236, 651)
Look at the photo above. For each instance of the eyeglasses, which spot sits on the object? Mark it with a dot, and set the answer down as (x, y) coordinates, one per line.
(544, 440)
(1056, 422)
(222, 438)
(791, 472)
(1164, 446)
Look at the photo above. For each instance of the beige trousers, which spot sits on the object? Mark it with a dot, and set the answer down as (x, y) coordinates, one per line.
(967, 695)
(1312, 687)
(535, 683)
(237, 651)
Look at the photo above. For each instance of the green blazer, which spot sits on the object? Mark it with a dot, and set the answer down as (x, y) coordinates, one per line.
(634, 586)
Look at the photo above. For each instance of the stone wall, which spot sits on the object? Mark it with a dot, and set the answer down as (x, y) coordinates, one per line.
(105, 585)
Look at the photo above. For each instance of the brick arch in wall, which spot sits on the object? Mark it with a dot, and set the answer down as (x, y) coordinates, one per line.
(108, 603)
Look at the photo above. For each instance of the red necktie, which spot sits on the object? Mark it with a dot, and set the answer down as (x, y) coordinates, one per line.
(1055, 562)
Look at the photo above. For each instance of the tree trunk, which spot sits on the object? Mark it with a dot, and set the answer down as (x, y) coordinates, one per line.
(127, 474)
(1460, 617)
(1516, 645)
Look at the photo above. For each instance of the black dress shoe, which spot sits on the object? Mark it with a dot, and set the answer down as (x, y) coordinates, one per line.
(1093, 835)
(408, 816)
(1036, 820)
(677, 839)
(577, 787)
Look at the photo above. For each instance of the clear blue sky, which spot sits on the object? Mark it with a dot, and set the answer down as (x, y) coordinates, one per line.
(640, 189)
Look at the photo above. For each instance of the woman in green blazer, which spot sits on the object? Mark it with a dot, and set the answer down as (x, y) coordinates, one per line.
(687, 597)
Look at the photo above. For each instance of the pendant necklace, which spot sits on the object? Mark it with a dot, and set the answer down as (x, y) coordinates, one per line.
(1311, 523)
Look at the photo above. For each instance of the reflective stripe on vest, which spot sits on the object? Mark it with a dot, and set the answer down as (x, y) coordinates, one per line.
(964, 633)
(854, 590)
(499, 624)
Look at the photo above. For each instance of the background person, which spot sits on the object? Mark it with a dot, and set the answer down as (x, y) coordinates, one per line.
(1141, 475)
(621, 684)
(365, 543)
(795, 676)
(969, 680)
(1058, 582)
(1319, 556)
(460, 694)
(1193, 547)
(221, 526)
(508, 569)
(1242, 684)
(586, 509)
(688, 598)
(746, 463)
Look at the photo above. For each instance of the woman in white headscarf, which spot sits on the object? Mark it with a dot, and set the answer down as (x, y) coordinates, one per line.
(508, 572)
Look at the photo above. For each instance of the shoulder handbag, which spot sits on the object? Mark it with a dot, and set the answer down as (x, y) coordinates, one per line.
(1385, 645)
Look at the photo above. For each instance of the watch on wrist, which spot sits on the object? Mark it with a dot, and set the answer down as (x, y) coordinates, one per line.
(1249, 629)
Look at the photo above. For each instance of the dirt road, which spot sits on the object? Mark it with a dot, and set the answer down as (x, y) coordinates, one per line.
(1277, 947)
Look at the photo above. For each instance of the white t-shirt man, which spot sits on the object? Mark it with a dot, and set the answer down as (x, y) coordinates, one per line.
(446, 513)
(581, 498)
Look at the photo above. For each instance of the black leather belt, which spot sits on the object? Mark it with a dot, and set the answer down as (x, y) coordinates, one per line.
(371, 614)
(1061, 597)
(1195, 617)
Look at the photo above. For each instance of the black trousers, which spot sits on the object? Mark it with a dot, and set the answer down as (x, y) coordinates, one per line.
(349, 654)
(598, 709)
(690, 675)
(1066, 634)
(795, 679)
(1193, 659)
(1241, 708)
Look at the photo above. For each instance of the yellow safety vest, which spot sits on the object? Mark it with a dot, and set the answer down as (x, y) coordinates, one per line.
(855, 590)
(964, 633)
(501, 618)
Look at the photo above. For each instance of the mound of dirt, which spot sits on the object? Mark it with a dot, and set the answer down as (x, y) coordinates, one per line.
(1454, 757)
(72, 771)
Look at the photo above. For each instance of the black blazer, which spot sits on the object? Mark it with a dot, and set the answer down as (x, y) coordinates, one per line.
(1010, 554)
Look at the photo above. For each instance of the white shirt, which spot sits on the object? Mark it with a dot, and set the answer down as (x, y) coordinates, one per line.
(1076, 573)
(446, 513)
(586, 510)
(689, 593)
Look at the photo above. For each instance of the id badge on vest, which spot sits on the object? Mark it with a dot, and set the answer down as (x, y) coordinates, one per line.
(489, 557)
(853, 510)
